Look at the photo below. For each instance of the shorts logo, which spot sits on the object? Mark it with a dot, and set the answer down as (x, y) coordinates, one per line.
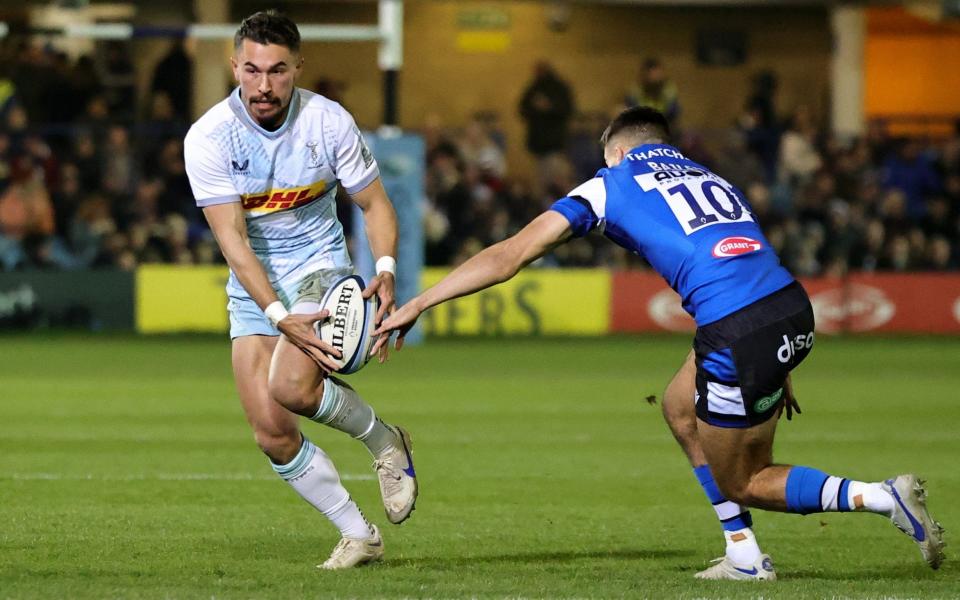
(764, 404)
(789, 348)
(735, 246)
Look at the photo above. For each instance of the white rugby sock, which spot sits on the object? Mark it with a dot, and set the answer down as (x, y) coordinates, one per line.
(839, 494)
(343, 409)
(312, 474)
(870, 497)
(742, 547)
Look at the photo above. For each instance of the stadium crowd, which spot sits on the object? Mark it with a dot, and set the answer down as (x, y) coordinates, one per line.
(90, 183)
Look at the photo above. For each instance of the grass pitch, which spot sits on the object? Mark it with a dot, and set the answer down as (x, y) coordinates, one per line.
(127, 471)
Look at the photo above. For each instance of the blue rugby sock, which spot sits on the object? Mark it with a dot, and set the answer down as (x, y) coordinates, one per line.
(812, 491)
(736, 521)
(733, 517)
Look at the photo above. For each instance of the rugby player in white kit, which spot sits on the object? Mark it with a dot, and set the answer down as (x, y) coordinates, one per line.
(264, 165)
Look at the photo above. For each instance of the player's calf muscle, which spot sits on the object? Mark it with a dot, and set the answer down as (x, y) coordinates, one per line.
(280, 447)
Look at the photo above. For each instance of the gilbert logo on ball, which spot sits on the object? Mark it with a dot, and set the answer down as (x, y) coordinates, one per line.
(350, 323)
(735, 246)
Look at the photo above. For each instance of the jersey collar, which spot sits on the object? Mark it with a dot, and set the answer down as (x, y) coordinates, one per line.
(236, 105)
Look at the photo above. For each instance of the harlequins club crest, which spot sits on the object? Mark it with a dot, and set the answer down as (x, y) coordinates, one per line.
(315, 158)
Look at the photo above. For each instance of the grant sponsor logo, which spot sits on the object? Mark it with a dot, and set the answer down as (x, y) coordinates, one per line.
(855, 307)
(735, 246)
(667, 311)
(764, 404)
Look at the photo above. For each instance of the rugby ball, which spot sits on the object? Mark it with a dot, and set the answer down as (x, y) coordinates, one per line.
(350, 323)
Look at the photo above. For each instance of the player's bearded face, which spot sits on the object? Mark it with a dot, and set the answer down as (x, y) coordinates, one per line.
(267, 74)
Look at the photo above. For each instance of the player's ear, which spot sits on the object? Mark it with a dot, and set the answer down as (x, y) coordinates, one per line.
(235, 67)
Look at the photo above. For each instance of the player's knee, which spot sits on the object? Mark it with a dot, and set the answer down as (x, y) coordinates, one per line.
(735, 490)
(681, 419)
(280, 447)
(294, 392)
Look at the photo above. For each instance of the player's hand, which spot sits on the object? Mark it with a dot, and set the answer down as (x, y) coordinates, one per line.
(402, 320)
(383, 285)
(300, 330)
(790, 403)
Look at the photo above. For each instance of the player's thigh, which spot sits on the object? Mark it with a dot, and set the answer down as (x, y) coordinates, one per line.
(679, 397)
(294, 376)
(275, 428)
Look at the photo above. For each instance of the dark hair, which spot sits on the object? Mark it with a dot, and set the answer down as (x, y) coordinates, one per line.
(642, 122)
(269, 27)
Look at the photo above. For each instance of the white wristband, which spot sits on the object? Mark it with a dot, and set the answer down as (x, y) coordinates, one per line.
(388, 264)
(276, 312)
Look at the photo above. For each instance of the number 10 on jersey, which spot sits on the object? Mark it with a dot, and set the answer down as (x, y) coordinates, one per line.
(697, 202)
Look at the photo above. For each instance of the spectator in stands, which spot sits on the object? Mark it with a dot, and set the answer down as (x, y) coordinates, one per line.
(583, 151)
(90, 229)
(84, 82)
(911, 170)
(25, 210)
(117, 163)
(759, 122)
(799, 157)
(449, 194)
(546, 106)
(479, 151)
(654, 88)
(173, 78)
(66, 198)
(86, 156)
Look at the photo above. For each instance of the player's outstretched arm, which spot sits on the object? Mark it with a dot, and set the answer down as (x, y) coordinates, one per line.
(494, 265)
(230, 230)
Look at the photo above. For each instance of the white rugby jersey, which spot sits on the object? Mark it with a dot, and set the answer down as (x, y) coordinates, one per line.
(286, 179)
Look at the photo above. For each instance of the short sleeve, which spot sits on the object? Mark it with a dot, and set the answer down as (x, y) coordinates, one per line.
(207, 171)
(584, 207)
(355, 166)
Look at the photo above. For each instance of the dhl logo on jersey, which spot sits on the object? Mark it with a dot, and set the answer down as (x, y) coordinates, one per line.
(283, 199)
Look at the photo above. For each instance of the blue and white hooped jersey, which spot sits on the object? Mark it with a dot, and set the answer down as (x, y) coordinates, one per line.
(693, 227)
(286, 180)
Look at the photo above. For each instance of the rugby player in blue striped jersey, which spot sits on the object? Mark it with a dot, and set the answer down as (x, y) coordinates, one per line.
(755, 325)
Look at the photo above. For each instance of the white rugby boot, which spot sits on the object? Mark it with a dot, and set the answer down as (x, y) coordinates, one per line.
(910, 515)
(398, 479)
(350, 552)
(724, 568)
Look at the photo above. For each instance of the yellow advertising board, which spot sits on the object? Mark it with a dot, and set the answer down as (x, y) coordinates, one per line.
(535, 302)
(173, 298)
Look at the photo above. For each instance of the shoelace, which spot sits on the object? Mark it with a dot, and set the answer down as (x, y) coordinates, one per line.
(391, 484)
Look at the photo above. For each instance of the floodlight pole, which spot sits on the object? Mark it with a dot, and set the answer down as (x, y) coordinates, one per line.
(390, 57)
